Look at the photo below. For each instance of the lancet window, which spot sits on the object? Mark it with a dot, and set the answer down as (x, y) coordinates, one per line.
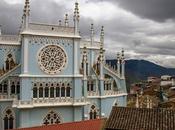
(10, 64)
(51, 90)
(8, 120)
(108, 84)
(93, 112)
(91, 85)
(4, 88)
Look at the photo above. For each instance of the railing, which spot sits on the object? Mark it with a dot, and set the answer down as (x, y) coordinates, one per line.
(106, 93)
(88, 44)
(49, 102)
(111, 70)
(6, 97)
(93, 93)
(9, 38)
(51, 28)
(111, 92)
(6, 74)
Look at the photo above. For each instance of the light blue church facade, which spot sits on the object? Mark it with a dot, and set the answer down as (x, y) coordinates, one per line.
(49, 74)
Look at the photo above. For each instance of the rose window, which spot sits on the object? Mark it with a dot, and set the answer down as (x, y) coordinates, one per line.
(52, 59)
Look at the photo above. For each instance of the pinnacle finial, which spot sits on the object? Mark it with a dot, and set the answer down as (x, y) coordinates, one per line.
(123, 53)
(76, 12)
(0, 29)
(27, 8)
(92, 28)
(102, 36)
(26, 14)
(66, 20)
(118, 55)
(59, 22)
(85, 53)
(92, 33)
(102, 31)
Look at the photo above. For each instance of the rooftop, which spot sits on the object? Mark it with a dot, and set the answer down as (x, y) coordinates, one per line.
(141, 119)
(81, 125)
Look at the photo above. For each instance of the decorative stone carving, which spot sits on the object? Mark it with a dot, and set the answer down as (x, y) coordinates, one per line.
(52, 59)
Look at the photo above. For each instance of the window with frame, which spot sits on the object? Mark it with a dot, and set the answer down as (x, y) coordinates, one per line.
(35, 94)
(41, 92)
(5, 87)
(52, 118)
(13, 88)
(18, 87)
(8, 120)
(93, 112)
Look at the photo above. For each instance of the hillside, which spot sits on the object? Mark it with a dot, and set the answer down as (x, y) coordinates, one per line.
(137, 70)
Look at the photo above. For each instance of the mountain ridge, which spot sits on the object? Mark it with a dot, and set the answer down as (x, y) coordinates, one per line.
(139, 70)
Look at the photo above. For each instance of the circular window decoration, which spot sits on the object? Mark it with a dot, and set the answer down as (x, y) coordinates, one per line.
(52, 59)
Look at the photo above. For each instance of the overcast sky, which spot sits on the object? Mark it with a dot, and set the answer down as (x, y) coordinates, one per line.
(144, 28)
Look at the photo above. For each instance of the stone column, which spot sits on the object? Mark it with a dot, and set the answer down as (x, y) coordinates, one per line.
(9, 88)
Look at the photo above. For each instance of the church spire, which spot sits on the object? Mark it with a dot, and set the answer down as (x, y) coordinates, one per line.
(0, 30)
(76, 18)
(66, 22)
(92, 33)
(118, 63)
(26, 14)
(102, 37)
(123, 63)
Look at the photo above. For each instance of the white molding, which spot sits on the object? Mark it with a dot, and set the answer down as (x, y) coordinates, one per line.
(92, 48)
(50, 76)
(49, 34)
(108, 96)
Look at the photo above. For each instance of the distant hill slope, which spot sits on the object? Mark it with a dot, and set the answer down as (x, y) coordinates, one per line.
(137, 70)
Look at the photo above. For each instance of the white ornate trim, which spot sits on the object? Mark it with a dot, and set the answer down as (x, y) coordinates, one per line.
(50, 76)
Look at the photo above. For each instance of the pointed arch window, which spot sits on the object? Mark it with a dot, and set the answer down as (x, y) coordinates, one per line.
(52, 92)
(57, 91)
(46, 92)
(93, 112)
(41, 92)
(68, 90)
(8, 120)
(63, 90)
(35, 94)
(52, 118)
(1, 88)
(10, 64)
(13, 88)
(5, 87)
(18, 87)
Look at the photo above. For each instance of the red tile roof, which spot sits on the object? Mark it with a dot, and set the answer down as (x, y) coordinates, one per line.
(97, 124)
(141, 119)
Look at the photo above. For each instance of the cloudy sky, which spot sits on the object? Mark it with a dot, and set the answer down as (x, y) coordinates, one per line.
(144, 28)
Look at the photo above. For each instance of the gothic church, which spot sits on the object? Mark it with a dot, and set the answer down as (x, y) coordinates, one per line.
(49, 74)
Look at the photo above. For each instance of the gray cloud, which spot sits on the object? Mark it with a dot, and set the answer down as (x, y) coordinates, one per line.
(159, 10)
(142, 28)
